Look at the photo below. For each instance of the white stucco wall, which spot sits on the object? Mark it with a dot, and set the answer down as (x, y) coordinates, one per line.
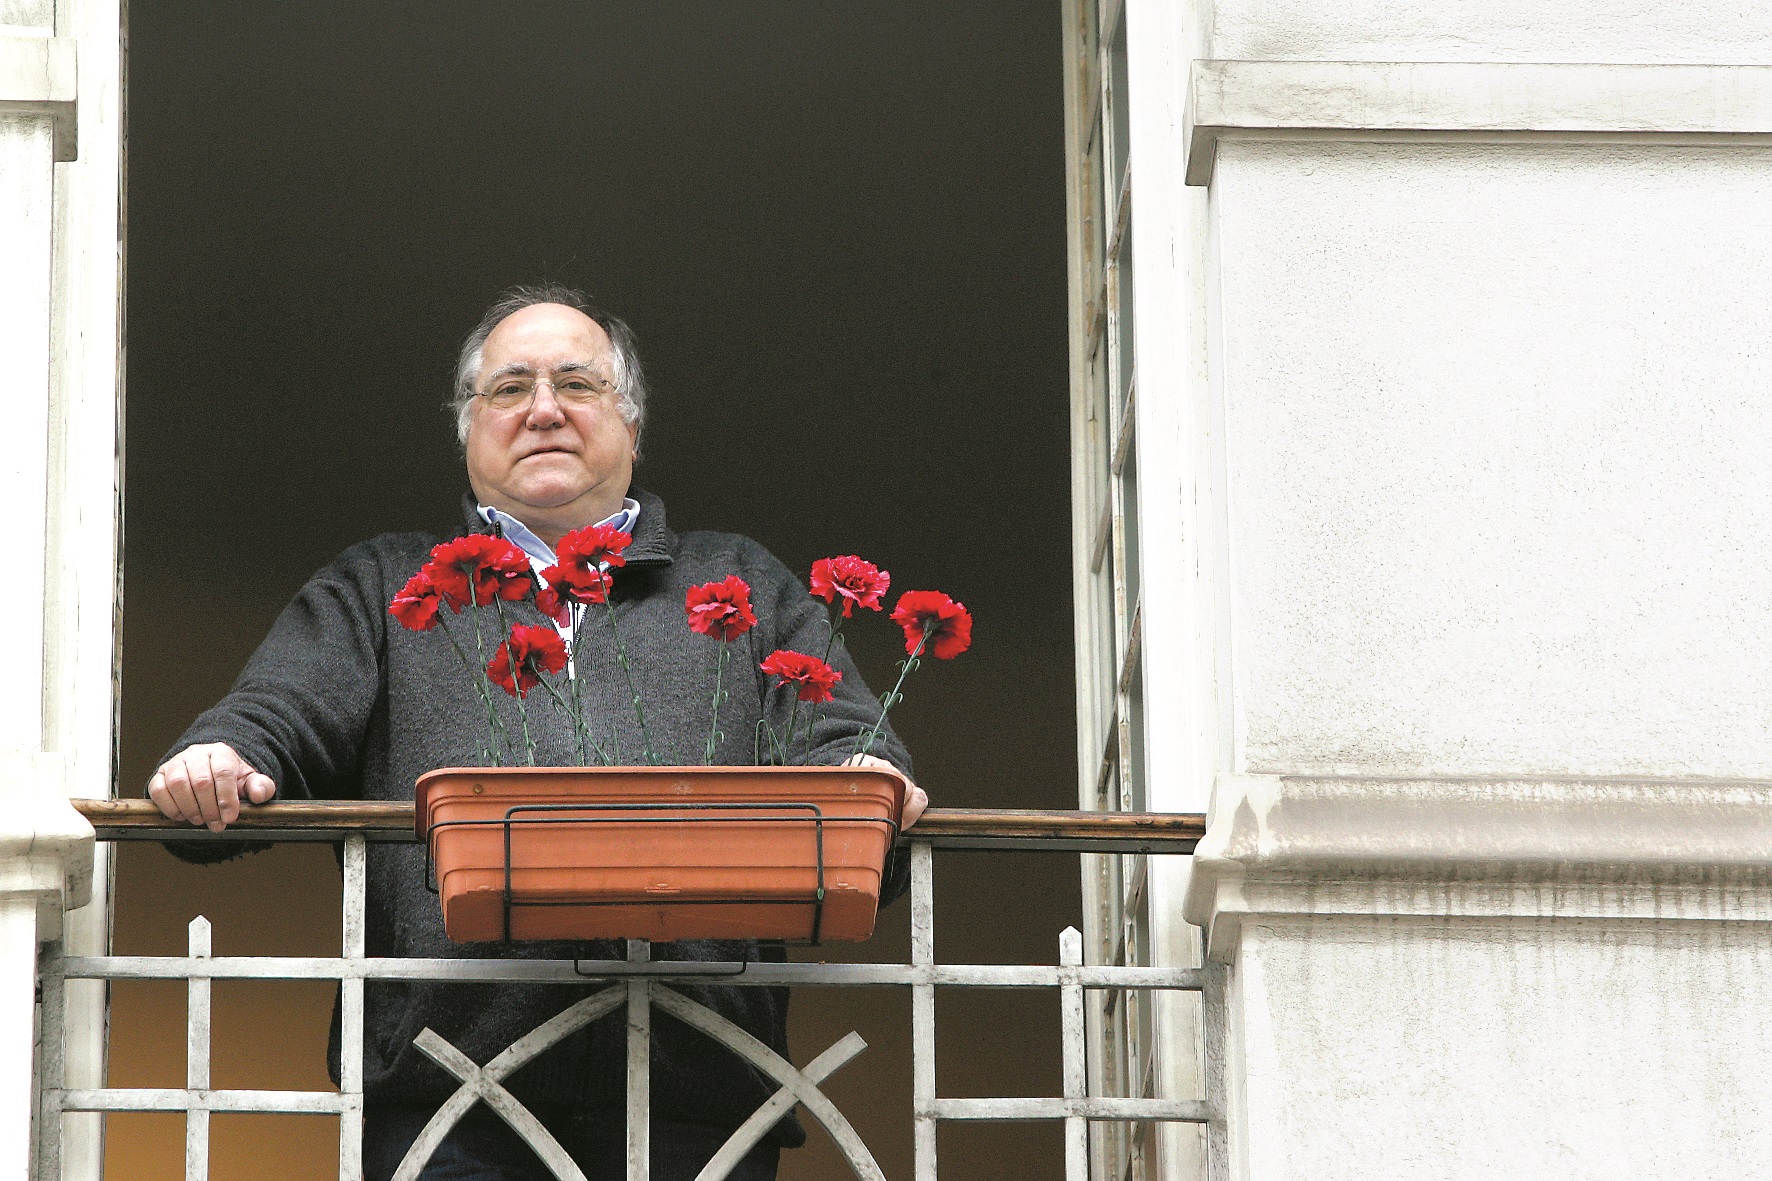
(1548, 1058)
(1496, 430)
(1492, 346)
(1636, 31)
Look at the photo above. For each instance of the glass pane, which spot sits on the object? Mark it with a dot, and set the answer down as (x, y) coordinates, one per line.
(1135, 720)
(1094, 203)
(1124, 355)
(1122, 124)
(1130, 540)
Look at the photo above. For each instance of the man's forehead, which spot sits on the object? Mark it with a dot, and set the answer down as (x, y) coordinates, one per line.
(523, 368)
(546, 328)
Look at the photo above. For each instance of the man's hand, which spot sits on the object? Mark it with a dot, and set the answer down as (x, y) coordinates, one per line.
(915, 799)
(205, 784)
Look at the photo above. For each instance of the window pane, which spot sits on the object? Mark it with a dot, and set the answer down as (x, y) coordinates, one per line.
(1122, 125)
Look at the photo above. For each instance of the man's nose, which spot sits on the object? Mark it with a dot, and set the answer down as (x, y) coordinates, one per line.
(543, 413)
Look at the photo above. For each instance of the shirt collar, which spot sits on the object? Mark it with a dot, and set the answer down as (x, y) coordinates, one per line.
(540, 553)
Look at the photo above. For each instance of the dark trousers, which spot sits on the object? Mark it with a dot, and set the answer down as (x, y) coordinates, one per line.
(482, 1147)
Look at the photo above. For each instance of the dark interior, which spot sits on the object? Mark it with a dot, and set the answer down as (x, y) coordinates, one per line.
(839, 233)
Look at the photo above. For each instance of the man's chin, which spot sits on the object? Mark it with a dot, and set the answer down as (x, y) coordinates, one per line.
(550, 495)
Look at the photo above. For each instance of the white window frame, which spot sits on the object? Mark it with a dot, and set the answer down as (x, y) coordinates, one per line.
(1147, 527)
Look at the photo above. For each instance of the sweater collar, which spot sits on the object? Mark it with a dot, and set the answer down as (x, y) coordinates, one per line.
(652, 539)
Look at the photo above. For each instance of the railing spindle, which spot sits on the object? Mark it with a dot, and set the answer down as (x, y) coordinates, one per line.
(197, 1056)
(923, 1009)
(642, 990)
(639, 1066)
(350, 1120)
(1075, 1047)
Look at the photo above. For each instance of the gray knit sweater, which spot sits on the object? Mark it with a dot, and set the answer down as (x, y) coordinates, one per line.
(340, 702)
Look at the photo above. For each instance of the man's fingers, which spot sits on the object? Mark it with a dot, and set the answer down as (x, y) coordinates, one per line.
(206, 784)
(176, 778)
(916, 801)
(227, 792)
(203, 786)
(162, 797)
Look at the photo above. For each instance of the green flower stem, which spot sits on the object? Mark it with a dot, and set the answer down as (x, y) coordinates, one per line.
(478, 675)
(714, 726)
(869, 736)
(585, 736)
(627, 672)
(493, 721)
(834, 625)
(793, 718)
(581, 730)
(504, 627)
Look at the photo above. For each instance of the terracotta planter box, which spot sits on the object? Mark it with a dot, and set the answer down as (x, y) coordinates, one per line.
(658, 853)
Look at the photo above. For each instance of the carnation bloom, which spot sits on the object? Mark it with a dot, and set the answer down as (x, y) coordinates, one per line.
(417, 603)
(594, 546)
(721, 609)
(814, 677)
(479, 568)
(570, 584)
(856, 580)
(549, 603)
(947, 624)
(533, 650)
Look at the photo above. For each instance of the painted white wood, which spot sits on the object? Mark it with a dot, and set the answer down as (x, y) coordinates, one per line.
(481, 1086)
(1180, 518)
(1075, 1113)
(817, 1104)
(18, 983)
(26, 215)
(1075, 1051)
(197, 1029)
(639, 1044)
(752, 974)
(750, 1133)
(923, 1012)
(481, 1082)
(81, 602)
(1473, 101)
(60, 303)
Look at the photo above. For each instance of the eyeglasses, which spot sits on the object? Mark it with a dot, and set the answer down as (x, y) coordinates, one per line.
(573, 387)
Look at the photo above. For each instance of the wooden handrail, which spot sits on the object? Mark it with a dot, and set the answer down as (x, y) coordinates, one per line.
(952, 828)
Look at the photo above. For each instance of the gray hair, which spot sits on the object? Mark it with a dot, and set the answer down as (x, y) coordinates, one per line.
(630, 379)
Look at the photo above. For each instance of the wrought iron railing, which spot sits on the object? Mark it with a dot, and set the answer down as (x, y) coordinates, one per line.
(635, 985)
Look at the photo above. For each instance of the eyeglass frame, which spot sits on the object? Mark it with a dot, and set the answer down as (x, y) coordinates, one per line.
(591, 371)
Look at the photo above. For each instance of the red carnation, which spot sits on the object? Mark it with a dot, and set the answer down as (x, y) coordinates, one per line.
(947, 624)
(549, 603)
(533, 650)
(574, 584)
(417, 603)
(815, 678)
(858, 581)
(594, 546)
(479, 568)
(721, 609)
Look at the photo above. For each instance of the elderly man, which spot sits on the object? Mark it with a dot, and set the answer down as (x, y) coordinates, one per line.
(339, 702)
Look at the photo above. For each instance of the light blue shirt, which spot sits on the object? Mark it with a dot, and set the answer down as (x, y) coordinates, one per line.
(541, 555)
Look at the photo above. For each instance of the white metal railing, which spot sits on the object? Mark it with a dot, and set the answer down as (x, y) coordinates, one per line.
(640, 987)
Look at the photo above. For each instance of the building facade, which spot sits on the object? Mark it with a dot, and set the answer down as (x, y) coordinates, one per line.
(1419, 356)
(1435, 335)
